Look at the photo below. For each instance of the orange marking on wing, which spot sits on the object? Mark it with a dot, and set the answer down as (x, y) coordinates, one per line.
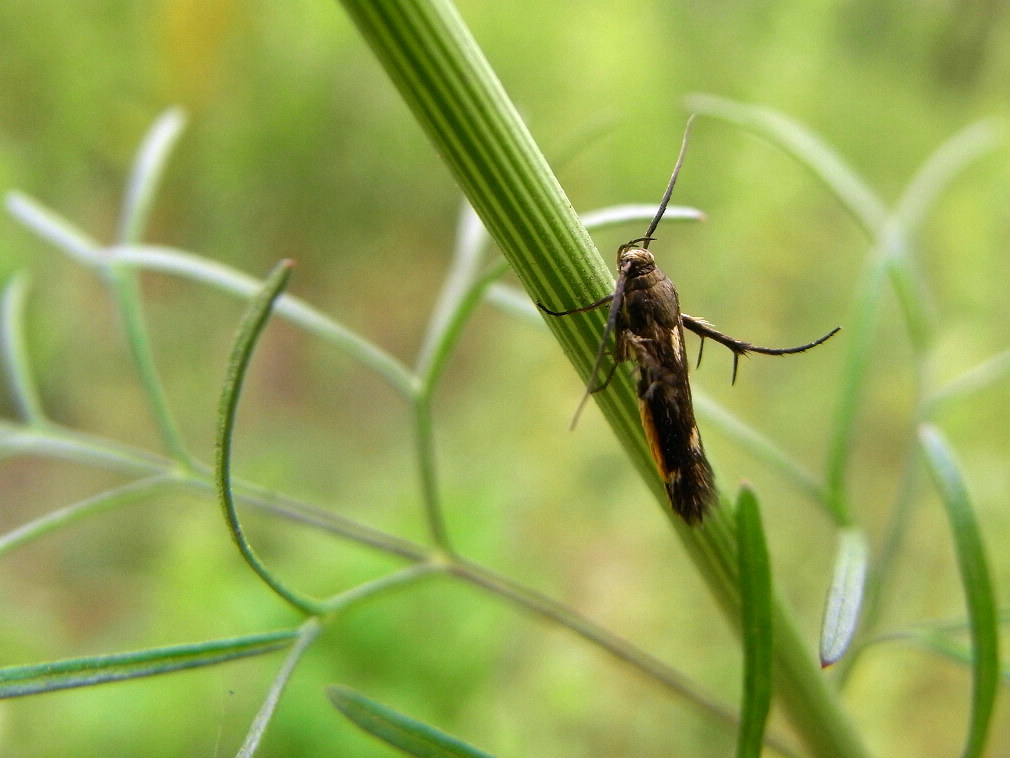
(654, 445)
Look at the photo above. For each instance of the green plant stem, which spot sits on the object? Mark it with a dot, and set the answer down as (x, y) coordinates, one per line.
(148, 167)
(122, 280)
(442, 75)
(471, 240)
(427, 471)
(54, 441)
(307, 634)
(109, 500)
(462, 294)
(892, 260)
(126, 291)
(870, 291)
(758, 445)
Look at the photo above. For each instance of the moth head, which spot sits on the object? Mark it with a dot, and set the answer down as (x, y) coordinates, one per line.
(633, 260)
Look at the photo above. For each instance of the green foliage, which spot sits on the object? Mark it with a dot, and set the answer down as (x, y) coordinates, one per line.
(755, 624)
(412, 610)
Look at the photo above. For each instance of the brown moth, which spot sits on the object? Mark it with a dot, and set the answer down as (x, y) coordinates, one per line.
(648, 328)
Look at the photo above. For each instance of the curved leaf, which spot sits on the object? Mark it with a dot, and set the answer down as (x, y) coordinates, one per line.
(252, 326)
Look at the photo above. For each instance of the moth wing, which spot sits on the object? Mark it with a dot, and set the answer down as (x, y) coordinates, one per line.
(670, 428)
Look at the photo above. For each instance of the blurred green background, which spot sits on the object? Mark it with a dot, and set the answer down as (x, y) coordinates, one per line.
(298, 146)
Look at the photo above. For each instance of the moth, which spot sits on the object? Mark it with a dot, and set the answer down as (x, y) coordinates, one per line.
(648, 328)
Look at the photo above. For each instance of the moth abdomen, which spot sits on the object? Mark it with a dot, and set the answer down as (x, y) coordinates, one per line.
(664, 401)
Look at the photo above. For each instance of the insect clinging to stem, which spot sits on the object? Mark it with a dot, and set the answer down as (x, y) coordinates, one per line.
(648, 328)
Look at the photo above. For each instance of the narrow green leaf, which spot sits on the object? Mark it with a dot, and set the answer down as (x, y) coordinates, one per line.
(124, 282)
(24, 390)
(809, 149)
(948, 645)
(756, 624)
(971, 558)
(975, 379)
(859, 331)
(16, 681)
(252, 326)
(148, 167)
(845, 596)
(757, 444)
(940, 169)
(624, 214)
(413, 737)
(909, 289)
(116, 497)
(125, 286)
(943, 644)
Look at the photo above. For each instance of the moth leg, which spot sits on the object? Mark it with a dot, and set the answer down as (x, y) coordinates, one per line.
(606, 382)
(583, 309)
(649, 367)
(740, 347)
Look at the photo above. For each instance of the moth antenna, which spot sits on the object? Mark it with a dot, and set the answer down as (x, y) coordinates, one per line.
(736, 363)
(578, 411)
(673, 180)
(592, 378)
(701, 348)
